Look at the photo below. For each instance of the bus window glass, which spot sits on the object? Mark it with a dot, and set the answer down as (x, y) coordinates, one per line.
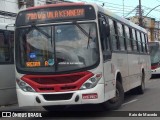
(75, 47)
(128, 42)
(121, 37)
(72, 45)
(143, 42)
(139, 41)
(146, 43)
(134, 40)
(36, 47)
(113, 34)
(155, 53)
(4, 49)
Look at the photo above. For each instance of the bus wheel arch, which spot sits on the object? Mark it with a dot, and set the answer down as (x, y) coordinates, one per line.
(117, 101)
(140, 89)
(119, 78)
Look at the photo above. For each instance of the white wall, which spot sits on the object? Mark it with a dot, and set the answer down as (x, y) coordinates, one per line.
(8, 6)
(12, 6)
(39, 2)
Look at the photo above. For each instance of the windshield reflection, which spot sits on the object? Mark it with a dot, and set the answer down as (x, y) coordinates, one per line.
(63, 47)
(155, 54)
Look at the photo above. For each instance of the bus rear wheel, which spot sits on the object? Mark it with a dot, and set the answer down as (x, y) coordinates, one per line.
(117, 101)
(140, 89)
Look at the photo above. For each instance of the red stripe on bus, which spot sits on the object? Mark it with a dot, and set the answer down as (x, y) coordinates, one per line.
(154, 66)
(57, 83)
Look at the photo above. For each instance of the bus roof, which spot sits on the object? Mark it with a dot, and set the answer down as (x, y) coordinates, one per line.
(97, 8)
(121, 19)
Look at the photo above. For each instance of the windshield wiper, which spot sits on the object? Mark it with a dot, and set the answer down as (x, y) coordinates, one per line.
(85, 33)
(38, 29)
(41, 31)
(89, 37)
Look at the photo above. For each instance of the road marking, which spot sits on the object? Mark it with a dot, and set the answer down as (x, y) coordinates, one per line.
(130, 102)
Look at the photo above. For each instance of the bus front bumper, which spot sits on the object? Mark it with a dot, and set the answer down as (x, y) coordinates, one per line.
(88, 96)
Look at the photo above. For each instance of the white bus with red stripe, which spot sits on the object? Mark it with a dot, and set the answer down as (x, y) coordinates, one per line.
(154, 48)
(76, 53)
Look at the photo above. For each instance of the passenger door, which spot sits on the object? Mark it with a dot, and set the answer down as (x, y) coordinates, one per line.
(107, 55)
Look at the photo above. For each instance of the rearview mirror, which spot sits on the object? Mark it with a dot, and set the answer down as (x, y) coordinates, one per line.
(106, 29)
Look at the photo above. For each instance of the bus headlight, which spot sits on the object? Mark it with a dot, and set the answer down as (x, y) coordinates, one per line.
(92, 82)
(24, 86)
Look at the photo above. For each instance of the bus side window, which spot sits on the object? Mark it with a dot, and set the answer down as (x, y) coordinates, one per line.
(134, 41)
(146, 45)
(104, 36)
(121, 36)
(143, 42)
(139, 41)
(113, 35)
(128, 38)
(11, 39)
(4, 47)
(138, 49)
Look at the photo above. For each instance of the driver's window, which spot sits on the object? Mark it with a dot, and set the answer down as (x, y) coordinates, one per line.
(105, 40)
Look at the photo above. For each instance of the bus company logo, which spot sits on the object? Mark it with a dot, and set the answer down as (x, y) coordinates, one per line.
(6, 114)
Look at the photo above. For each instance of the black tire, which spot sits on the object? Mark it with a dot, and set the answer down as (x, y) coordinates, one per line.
(117, 101)
(54, 108)
(140, 89)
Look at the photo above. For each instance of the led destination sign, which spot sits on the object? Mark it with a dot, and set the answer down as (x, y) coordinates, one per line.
(55, 14)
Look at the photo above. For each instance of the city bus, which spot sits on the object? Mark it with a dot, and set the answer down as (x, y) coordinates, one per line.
(7, 68)
(154, 48)
(78, 53)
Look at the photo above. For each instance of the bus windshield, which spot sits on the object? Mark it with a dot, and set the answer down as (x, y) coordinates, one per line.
(155, 53)
(60, 47)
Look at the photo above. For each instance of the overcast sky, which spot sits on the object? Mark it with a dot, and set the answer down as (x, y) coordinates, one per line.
(116, 6)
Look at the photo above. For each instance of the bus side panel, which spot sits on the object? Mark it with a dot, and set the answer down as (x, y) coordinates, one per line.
(147, 66)
(7, 85)
(134, 70)
(120, 62)
(109, 76)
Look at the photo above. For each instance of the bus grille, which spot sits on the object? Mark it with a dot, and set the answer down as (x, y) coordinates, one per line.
(57, 83)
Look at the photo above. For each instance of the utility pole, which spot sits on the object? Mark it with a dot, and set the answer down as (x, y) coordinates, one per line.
(140, 15)
(123, 8)
(158, 31)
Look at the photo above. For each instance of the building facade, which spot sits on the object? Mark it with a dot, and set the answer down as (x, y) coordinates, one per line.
(150, 25)
(10, 8)
(8, 11)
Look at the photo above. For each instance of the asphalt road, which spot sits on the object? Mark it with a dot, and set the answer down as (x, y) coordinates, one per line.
(149, 101)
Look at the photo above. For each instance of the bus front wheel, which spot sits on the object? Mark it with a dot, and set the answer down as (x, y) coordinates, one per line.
(117, 101)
